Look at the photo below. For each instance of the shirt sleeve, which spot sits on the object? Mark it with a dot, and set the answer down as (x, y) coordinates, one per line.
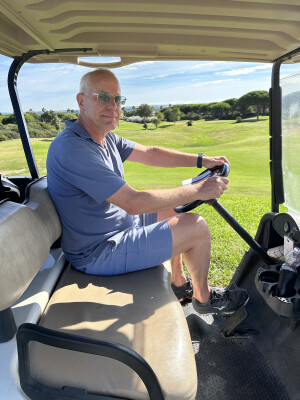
(124, 146)
(78, 165)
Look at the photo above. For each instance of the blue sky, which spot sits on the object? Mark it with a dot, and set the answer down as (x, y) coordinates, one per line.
(54, 86)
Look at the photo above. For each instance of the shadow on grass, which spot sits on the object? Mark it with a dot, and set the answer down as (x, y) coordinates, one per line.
(165, 126)
(47, 140)
(250, 120)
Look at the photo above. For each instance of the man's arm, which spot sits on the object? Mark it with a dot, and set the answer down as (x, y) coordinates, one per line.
(138, 202)
(161, 157)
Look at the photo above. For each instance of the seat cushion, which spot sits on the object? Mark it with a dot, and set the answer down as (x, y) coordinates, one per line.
(138, 310)
(27, 231)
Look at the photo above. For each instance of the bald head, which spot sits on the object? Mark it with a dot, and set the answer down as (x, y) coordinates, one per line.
(90, 78)
(98, 117)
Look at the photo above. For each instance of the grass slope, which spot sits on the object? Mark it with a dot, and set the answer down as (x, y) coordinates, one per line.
(247, 199)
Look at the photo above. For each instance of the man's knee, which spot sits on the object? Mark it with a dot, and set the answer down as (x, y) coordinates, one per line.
(190, 227)
(199, 225)
(189, 230)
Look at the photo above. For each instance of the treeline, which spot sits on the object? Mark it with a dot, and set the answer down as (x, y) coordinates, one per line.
(254, 103)
(49, 123)
(46, 124)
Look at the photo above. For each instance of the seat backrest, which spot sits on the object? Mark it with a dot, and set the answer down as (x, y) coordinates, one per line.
(27, 231)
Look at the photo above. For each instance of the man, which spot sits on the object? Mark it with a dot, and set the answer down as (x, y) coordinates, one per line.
(109, 228)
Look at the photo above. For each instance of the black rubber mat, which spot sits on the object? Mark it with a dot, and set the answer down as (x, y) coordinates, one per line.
(230, 368)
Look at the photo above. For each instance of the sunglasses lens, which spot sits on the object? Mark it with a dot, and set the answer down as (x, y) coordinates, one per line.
(103, 96)
(118, 99)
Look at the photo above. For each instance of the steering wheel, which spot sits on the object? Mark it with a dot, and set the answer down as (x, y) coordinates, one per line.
(222, 170)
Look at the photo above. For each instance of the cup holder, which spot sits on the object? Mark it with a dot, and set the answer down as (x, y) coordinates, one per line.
(273, 292)
(278, 267)
(269, 277)
(266, 282)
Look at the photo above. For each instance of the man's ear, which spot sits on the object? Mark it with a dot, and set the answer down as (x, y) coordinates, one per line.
(80, 98)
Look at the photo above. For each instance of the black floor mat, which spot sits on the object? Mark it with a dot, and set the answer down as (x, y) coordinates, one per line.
(230, 368)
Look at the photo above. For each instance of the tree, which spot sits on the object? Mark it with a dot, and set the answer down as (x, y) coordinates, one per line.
(50, 117)
(258, 99)
(156, 122)
(33, 114)
(159, 115)
(172, 114)
(232, 101)
(144, 111)
(191, 115)
(218, 110)
(66, 116)
(124, 111)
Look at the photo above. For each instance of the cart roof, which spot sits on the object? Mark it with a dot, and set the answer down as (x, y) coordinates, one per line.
(141, 30)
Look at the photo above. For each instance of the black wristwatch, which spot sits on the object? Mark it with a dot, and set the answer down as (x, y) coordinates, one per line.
(199, 160)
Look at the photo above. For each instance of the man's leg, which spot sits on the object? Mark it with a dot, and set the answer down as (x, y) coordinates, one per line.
(178, 276)
(191, 237)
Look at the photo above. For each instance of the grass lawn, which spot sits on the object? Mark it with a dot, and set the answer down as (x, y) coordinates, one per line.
(247, 199)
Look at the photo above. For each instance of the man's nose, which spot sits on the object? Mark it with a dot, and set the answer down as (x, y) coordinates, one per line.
(112, 102)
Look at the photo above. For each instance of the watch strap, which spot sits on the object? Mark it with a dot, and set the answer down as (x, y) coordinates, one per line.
(199, 160)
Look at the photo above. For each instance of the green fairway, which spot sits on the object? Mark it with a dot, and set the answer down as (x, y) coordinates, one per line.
(244, 144)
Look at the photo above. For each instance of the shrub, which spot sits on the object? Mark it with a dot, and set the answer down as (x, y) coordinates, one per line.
(189, 123)
(145, 126)
(2, 137)
(41, 129)
(136, 118)
(11, 119)
(11, 135)
(238, 119)
(29, 117)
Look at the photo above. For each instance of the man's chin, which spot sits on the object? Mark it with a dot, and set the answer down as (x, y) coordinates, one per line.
(113, 125)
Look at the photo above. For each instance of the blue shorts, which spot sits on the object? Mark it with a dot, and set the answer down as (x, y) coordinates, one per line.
(145, 245)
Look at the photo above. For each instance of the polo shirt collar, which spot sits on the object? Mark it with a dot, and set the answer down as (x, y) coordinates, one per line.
(73, 126)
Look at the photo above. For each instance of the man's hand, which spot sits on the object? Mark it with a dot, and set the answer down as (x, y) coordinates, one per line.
(212, 188)
(209, 162)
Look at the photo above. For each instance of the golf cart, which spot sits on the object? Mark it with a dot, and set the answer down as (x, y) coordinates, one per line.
(68, 335)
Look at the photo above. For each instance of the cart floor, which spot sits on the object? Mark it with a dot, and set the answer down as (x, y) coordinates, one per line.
(230, 368)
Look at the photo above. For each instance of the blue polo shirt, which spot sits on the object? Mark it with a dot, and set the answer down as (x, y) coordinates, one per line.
(81, 175)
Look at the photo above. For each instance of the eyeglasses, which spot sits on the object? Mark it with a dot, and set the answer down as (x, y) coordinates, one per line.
(105, 97)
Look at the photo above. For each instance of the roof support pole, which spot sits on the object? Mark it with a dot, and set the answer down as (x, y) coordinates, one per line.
(22, 126)
(275, 95)
(276, 138)
(13, 92)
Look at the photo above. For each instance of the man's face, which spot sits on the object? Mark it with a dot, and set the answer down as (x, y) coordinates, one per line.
(101, 116)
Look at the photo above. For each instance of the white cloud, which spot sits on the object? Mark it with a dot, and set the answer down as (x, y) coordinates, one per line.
(63, 69)
(158, 76)
(206, 83)
(207, 64)
(144, 63)
(244, 71)
(127, 67)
